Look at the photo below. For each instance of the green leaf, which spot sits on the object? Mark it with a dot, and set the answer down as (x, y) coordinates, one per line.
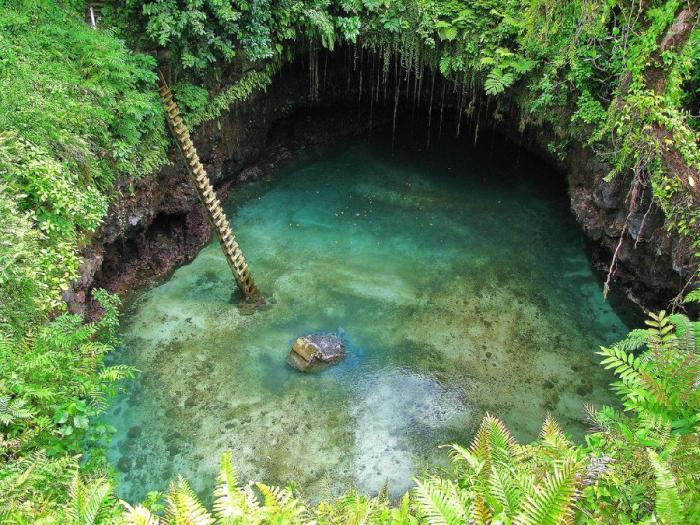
(446, 31)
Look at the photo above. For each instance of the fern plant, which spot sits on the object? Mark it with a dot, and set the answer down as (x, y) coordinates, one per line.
(89, 501)
(658, 370)
(54, 381)
(232, 504)
(669, 507)
(499, 481)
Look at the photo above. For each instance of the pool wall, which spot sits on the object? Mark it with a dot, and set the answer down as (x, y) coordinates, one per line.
(157, 224)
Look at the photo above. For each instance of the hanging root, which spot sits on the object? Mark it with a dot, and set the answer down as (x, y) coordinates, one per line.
(396, 107)
(611, 269)
(430, 108)
(633, 197)
(313, 73)
(677, 302)
(644, 221)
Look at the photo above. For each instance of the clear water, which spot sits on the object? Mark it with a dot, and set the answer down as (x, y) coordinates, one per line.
(459, 279)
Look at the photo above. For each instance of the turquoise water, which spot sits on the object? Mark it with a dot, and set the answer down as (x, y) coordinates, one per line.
(458, 278)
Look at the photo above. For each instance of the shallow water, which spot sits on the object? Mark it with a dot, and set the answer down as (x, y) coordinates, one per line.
(458, 278)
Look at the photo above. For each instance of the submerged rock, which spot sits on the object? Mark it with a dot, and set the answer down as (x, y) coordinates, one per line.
(312, 350)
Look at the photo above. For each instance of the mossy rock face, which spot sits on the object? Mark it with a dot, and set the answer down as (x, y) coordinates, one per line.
(310, 351)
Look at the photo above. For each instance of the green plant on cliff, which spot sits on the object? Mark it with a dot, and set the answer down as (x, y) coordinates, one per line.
(204, 36)
(660, 383)
(654, 445)
(627, 69)
(53, 387)
(77, 112)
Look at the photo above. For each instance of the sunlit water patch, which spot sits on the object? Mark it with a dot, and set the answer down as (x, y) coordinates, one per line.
(458, 279)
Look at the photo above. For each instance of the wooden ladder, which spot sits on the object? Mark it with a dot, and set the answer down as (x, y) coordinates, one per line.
(211, 202)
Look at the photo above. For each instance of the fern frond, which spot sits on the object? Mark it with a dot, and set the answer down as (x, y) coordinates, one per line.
(280, 504)
(493, 442)
(497, 81)
(459, 455)
(687, 330)
(505, 491)
(88, 501)
(596, 420)
(635, 340)
(552, 502)
(553, 436)
(232, 504)
(439, 501)
(669, 506)
(480, 514)
(357, 509)
(183, 506)
(139, 515)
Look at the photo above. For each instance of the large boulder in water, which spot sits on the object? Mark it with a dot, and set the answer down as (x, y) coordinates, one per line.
(310, 351)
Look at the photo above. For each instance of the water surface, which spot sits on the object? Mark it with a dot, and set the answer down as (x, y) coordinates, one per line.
(458, 278)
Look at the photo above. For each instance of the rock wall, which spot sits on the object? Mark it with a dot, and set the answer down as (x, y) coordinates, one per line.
(654, 267)
(158, 223)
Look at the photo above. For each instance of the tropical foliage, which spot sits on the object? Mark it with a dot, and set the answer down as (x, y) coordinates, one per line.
(77, 112)
(80, 122)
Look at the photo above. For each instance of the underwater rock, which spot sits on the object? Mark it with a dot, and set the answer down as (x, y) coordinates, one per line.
(134, 432)
(124, 464)
(311, 350)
